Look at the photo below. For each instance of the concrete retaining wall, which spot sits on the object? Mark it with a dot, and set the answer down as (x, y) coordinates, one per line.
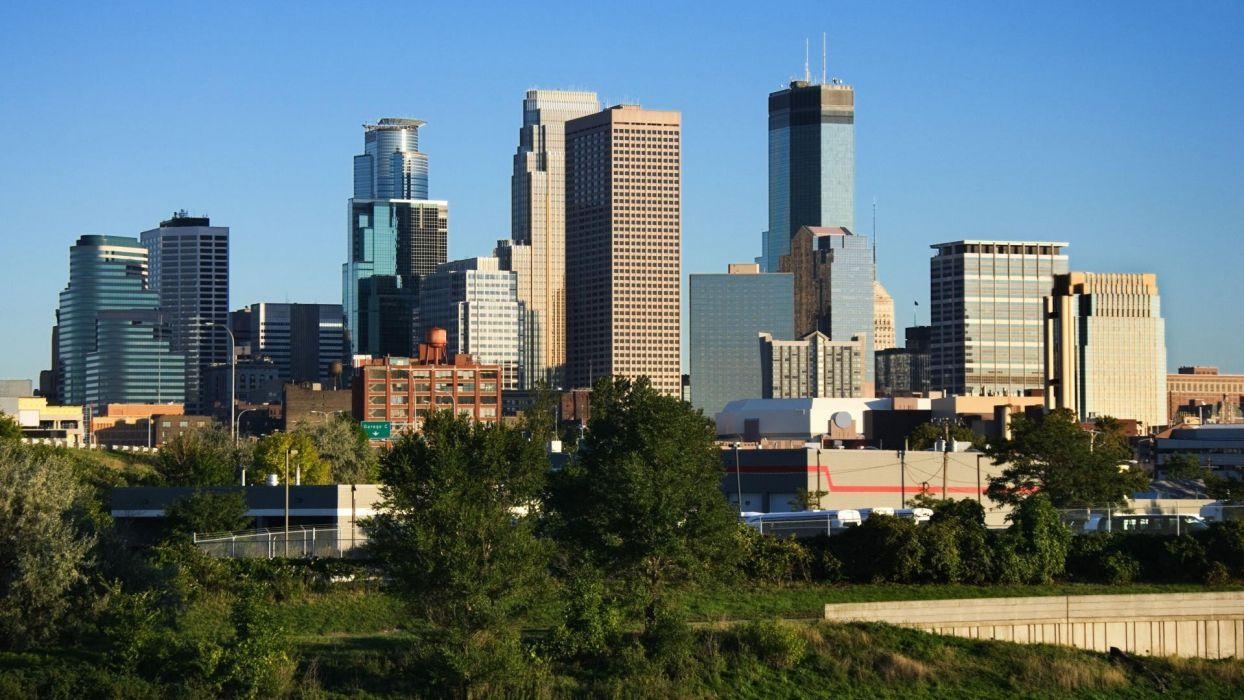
(1206, 625)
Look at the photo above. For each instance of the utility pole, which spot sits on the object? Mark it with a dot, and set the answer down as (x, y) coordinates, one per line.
(945, 455)
(902, 476)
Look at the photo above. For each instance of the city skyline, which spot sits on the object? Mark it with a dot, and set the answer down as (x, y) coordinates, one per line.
(1115, 172)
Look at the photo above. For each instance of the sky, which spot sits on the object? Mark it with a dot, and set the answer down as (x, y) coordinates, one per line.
(1113, 126)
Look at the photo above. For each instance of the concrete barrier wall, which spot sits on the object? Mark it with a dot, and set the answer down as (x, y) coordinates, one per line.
(1206, 625)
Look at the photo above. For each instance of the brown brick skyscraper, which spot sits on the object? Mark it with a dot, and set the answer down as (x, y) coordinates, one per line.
(623, 246)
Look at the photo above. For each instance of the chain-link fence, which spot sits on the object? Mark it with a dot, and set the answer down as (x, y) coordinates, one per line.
(298, 543)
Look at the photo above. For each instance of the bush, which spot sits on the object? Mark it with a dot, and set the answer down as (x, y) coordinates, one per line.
(940, 542)
(774, 560)
(883, 548)
(591, 624)
(1120, 568)
(1034, 549)
(774, 642)
(1224, 544)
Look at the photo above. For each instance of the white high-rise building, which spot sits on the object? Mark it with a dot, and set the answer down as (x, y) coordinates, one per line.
(986, 311)
(537, 251)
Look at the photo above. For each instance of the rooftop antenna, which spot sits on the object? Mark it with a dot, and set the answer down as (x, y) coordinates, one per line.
(807, 76)
(823, 63)
(874, 239)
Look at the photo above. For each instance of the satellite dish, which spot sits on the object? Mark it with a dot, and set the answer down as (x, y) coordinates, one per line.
(841, 419)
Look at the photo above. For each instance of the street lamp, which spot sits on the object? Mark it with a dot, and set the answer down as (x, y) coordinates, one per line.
(233, 380)
(289, 452)
(237, 424)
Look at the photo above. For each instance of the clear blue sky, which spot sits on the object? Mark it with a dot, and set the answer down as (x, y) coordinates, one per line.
(1115, 126)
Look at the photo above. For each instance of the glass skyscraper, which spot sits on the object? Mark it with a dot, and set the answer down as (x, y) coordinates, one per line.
(395, 235)
(811, 163)
(728, 312)
(113, 344)
(189, 269)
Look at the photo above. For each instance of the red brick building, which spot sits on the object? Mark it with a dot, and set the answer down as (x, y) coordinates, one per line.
(402, 390)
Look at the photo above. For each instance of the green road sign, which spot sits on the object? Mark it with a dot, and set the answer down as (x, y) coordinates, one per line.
(378, 429)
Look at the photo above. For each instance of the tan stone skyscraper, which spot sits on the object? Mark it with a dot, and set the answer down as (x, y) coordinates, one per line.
(623, 246)
(883, 318)
(1105, 347)
(537, 251)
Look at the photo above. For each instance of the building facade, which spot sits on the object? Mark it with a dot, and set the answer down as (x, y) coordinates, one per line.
(402, 390)
(395, 235)
(188, 266)
(834, 271)
(302, 340)
(113, 343)
(476, 302)
(536, 253)
(986, 312)
(1105, 347)
(883, 319)
(905, 371)
(813, 367)
(728, 312)
(623, 247)
(1202, 393)
(811, 163)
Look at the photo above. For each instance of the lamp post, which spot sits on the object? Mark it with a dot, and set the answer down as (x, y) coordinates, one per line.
(237, 424)
(233, 380)
(738, 480)
(289, 452)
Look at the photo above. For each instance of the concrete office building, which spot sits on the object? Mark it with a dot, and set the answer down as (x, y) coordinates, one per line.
(834, 272)
(811, 163)
(113, 343)
(623, 247)
(1105, 347)
(188, 266)
(536, 252)
(476, 302)
(727, 313)
(883, 318)
(301, 340)
(814, 367)
(1202, 394)
(395, 235)
(986, 311)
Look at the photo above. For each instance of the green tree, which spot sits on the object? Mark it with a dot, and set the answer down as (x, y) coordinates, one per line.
(807, 500)
(200, 458)
(453, 539)
(926, 434)
(342, 444)
(1184, 466)
(207, 511)
(642, 499)
(10, 431)
(271, 450)
(44, 548)
(1034, 548)
(1057, 457)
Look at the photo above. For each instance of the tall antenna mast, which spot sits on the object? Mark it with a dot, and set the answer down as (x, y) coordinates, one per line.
(874, 238)
(807, 76)
(823, 64)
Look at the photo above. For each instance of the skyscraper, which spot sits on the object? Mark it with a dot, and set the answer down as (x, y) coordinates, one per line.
(1105, 347)
(834, 273)
(476, 302)
(302, 340)
(113, 343)
(537, 253)
(727, 313)
(986, 311)
(883, 318)
(623, 246)
(814, 367)
(395, 235)
(811, 163)
(189, 269)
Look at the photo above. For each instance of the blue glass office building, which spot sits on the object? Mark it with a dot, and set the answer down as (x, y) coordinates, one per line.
(113, 344)
(811, 163)
(728, 311)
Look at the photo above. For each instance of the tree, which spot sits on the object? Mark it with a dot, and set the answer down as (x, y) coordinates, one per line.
(807, 500)
(1034, 548)
(44, 549)
(452, 537)
(642, 498)
(10, 431)
(1184, 466)
(207, 511)
(271, 451)
(200, 458)
(342, 444)
(926, 434)
(1055, 456)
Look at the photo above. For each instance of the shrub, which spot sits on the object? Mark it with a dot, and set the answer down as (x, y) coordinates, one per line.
(1224, 543)
(940, 542)
(773, 642)
(774, 560)
(883, 548)
(1119, 568)
(1035, 547)
(591, 623)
